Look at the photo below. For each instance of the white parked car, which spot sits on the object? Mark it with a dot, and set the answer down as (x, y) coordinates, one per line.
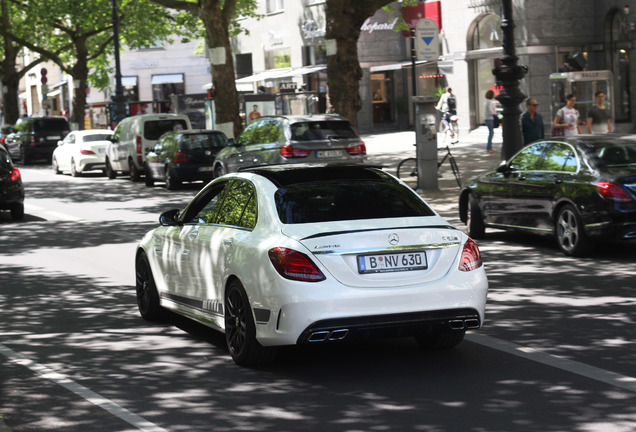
(297, 254)
(81, 151)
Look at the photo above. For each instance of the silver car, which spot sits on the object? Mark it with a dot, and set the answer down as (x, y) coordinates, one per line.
(273, 140)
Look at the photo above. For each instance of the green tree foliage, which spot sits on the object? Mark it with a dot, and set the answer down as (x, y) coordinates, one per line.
(218, 18)
(77, 35)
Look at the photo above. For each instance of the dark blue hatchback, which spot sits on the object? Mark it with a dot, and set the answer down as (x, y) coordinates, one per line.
(184, 156)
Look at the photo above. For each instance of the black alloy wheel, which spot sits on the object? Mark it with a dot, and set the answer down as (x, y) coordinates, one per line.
(147, 294)
(240, 330)
(148, 179)
(110, 172)
(570, 234)
(171, 181)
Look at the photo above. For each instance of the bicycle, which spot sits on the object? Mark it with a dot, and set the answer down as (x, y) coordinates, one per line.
(407, 169)
(449, 128)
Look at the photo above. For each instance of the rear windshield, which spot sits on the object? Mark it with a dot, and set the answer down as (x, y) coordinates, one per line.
(617, 154)
(203, 141)
(337, 200)
(322, 130)
(153, 129)
(97, 137)
(59, 125)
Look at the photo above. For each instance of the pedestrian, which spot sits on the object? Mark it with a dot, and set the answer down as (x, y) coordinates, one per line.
(567, 117)
(490, 112)
(254, 114)
(447, 105)
(532, 122)
(598, 118)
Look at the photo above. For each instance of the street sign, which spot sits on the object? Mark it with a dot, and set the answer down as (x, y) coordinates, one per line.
(427, 40)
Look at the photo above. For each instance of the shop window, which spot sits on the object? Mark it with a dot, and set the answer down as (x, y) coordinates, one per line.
(165, 85)
(280, 58)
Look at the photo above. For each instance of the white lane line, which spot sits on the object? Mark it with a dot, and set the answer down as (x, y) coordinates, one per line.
(83, 392)
(591, 372)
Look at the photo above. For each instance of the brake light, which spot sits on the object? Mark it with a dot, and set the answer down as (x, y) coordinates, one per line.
(612, 192)
(14, 175)
(180, 157)
(471, 257)
(138, 145)
(359, 150)
(294, 265)
(2, 140)
(87, 152)
(32, 142)
(289, 152)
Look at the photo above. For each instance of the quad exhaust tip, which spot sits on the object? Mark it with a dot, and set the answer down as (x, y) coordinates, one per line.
(462, 324)
(328, 335)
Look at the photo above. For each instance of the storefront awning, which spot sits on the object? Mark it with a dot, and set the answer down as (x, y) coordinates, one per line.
(54, 93)
(300, 71)
(244, 87)
(262, 76)
(167, 79)
(394, 66)
(129, 81)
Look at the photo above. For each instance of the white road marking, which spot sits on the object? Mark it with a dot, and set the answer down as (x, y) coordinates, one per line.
(63, 216)
(572, 366)
(85, 393)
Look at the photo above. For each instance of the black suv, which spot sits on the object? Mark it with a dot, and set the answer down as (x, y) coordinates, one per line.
(36, 137)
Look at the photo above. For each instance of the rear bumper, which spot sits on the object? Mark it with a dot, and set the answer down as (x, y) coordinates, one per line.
(193, 172)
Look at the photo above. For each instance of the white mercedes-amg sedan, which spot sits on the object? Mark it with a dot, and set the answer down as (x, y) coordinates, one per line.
(305, 254)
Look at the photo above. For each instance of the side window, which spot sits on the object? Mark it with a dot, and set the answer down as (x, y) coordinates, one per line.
(70, 138)
(238, 207)
(267, 131)
(247, 137)
(117, 133)
(560, 157)
(205, 209)
(530, 158)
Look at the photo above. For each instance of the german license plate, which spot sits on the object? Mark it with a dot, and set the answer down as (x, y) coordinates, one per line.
(395, 262)
(206, 168)
(53, 137)
(328, 153)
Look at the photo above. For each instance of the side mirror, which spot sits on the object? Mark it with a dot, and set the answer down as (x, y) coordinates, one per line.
(59, 143)
(230, 142)
(170, 218)
(503, 167)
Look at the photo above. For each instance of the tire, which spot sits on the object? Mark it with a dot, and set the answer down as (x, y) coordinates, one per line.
(475, 221)
(17, 212)
(110, 172)
(135, 175)
(172, 183)
(407, 172)
(24, 158)
(148, 180)
(455, 168)
(454, 132)
(74, 171)
(147, 294)
(55, 166)
(441, 339)
(570, 234)
(240, 330)
(219, 171)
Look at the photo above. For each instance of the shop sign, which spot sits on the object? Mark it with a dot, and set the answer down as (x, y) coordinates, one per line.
(370, 27)
(287, 87)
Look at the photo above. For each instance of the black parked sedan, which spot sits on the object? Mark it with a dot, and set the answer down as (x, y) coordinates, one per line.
(579, 189)
(11, 188)
(186, 155)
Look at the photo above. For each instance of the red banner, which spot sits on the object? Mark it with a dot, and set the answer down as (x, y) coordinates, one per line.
(429, 9)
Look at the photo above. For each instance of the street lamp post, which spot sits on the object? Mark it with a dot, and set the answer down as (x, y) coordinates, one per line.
(508, 72)
(119, 109)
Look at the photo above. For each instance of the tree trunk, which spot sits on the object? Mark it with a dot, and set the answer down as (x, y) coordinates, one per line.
(79, 72)
(223, 80)
(344, 19)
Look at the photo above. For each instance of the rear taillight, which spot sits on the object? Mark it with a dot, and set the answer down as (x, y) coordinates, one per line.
(612, 192)
(2, 140)
(294, 265)
(138, 145)
(359, 150)
(32, 142)
(471, 257)
(87, 152)
(180, 157)
(14, 174)
(288, 151)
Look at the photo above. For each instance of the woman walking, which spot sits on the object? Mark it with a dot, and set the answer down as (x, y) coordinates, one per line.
(490, 111)
(567, 117)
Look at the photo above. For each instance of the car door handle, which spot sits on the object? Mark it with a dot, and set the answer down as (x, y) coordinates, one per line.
(193, 235)
(558, 181)
(228, 242)
(522, 178)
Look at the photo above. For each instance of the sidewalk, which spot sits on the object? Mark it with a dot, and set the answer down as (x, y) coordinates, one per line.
(388, 149)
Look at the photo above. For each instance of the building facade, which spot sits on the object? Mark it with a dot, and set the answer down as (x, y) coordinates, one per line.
(281, 61)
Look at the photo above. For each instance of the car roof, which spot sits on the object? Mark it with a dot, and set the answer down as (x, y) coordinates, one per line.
(288, 174)
(596, 141)
(93, 131)
(309, 118)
